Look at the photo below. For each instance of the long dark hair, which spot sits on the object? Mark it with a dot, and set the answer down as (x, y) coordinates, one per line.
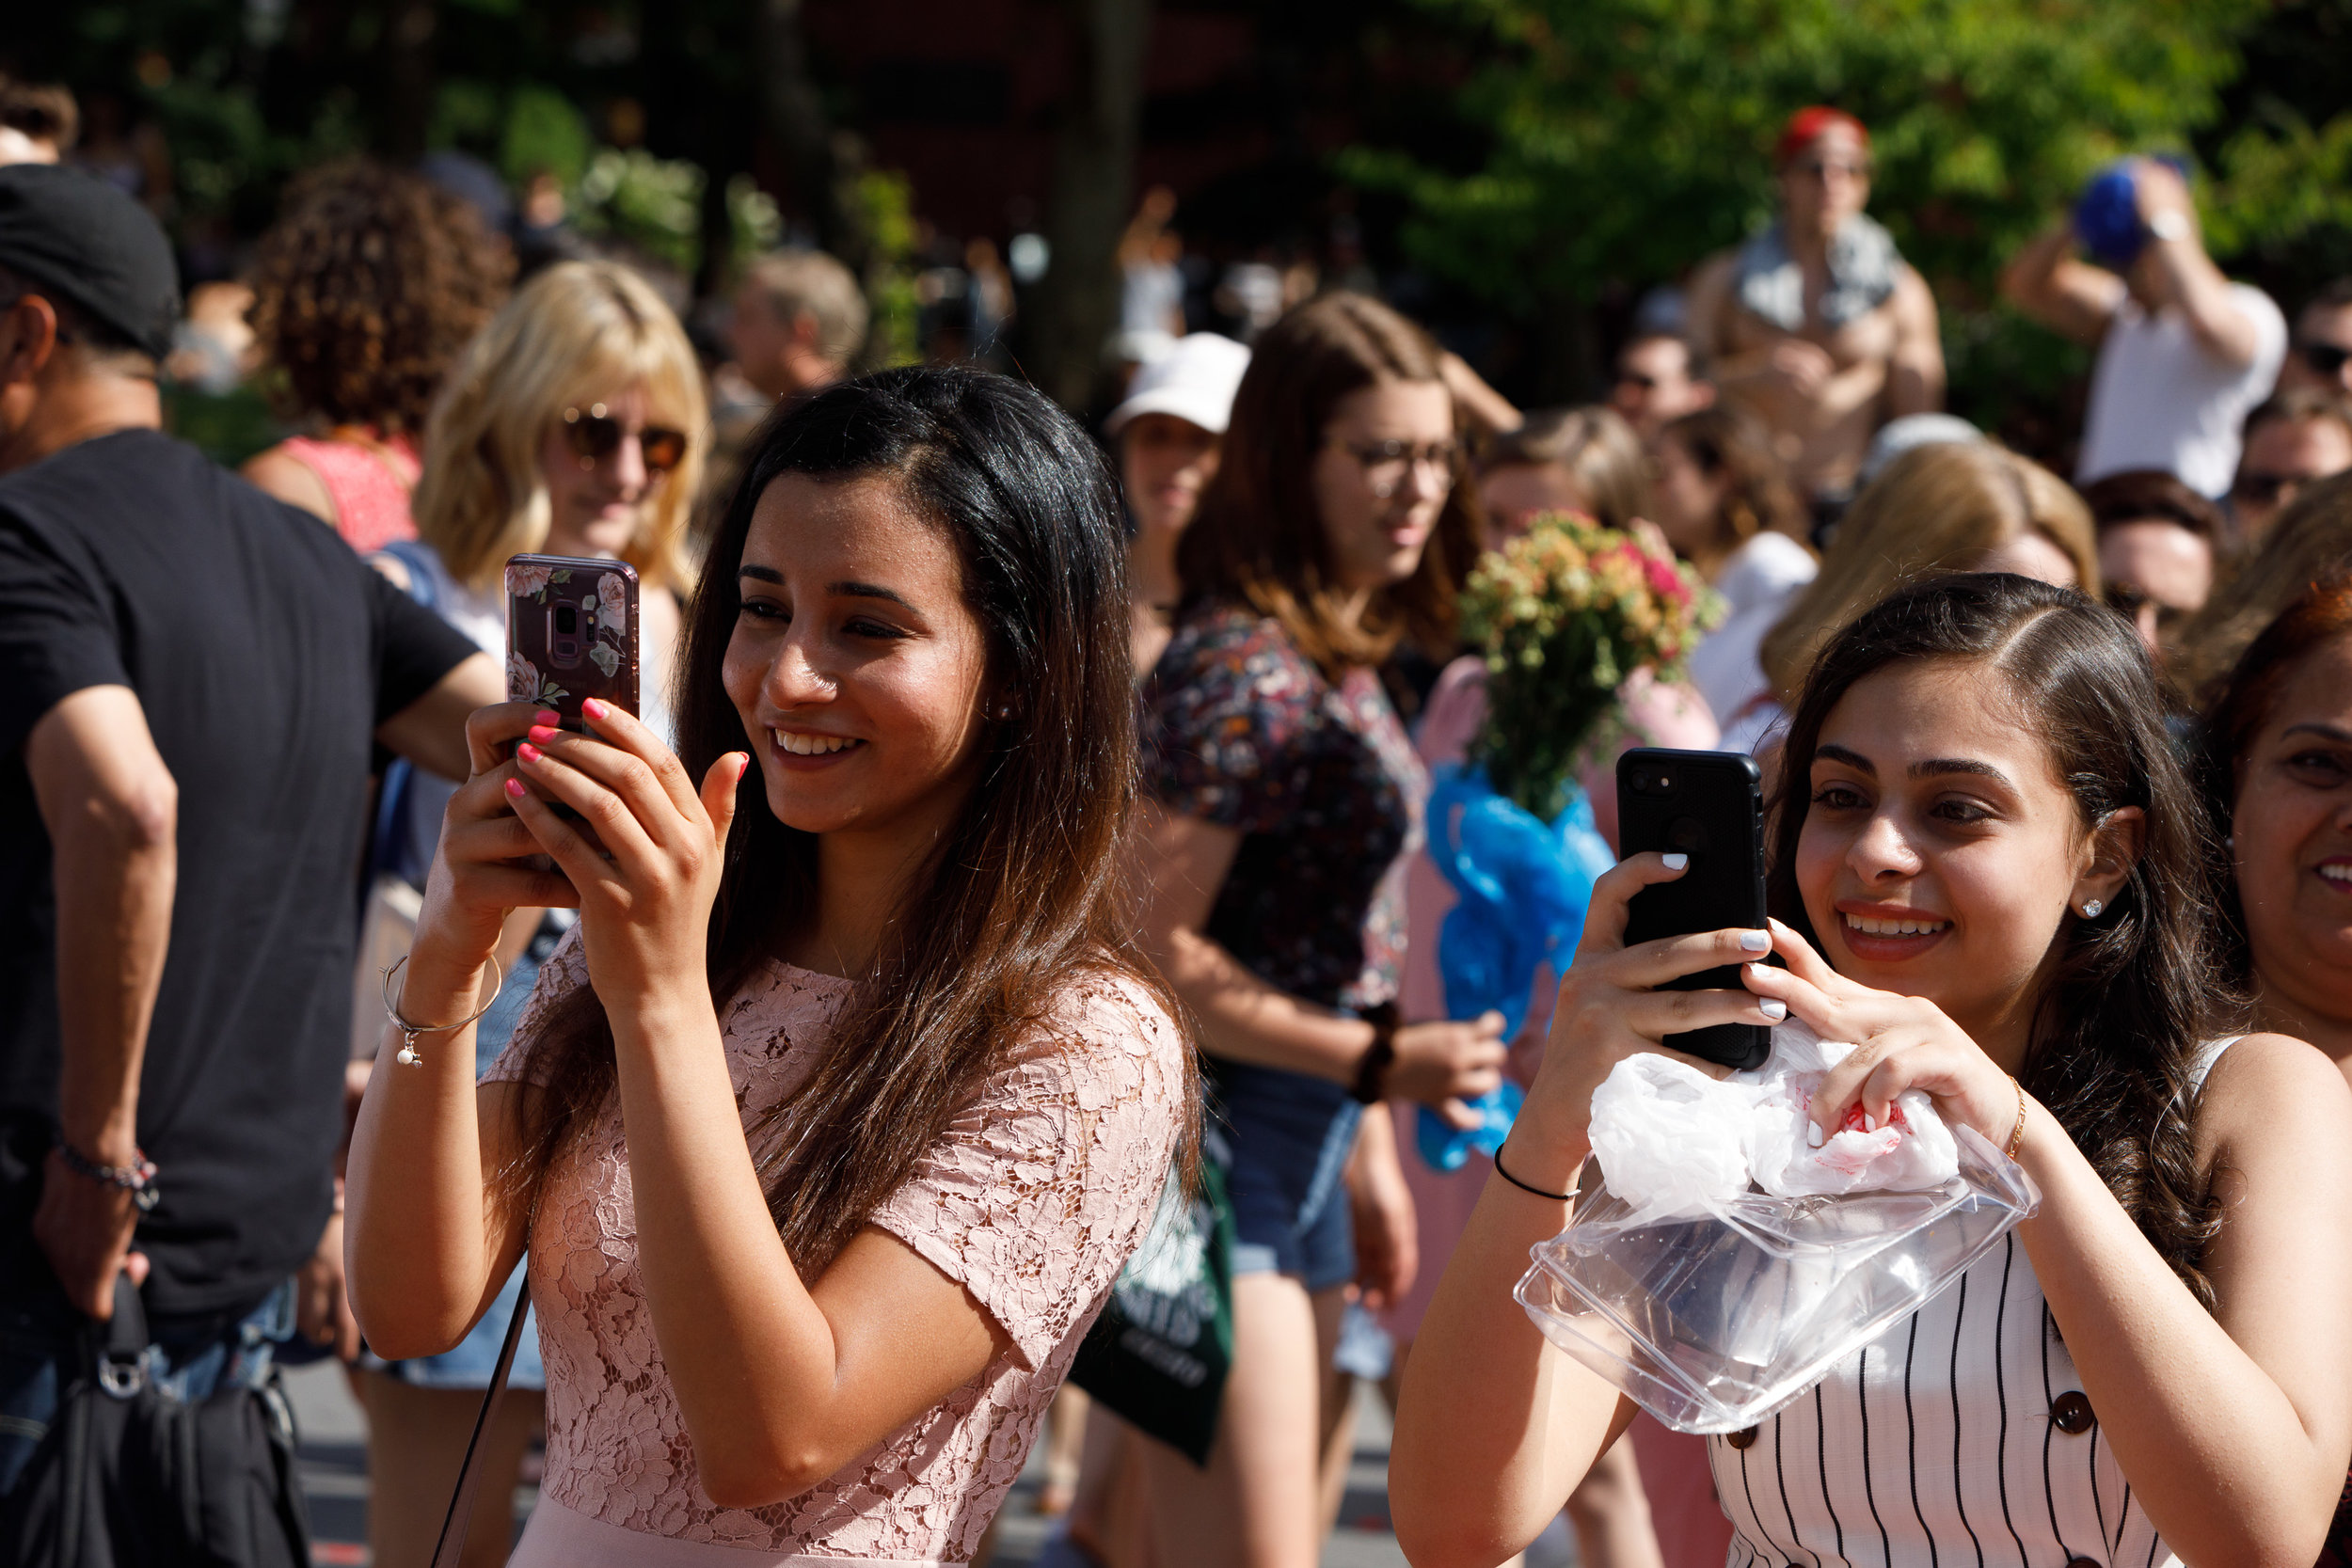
(1017, 903)
(2241, 708)
(1258, 538)
(2133, 994)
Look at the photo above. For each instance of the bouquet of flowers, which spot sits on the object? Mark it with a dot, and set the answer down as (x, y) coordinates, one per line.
(1565, 612)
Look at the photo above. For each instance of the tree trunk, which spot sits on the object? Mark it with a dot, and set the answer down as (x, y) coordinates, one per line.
(408, 27)
(1094, 159)
(1567, 351)
(794, 114)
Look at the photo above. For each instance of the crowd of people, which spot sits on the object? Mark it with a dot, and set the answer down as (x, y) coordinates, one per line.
(1019, 845)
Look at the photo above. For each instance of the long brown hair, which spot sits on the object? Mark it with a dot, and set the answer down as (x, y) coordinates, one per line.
(2134, 994)
(1258, 537)
(1017, 903)
(2241, 708)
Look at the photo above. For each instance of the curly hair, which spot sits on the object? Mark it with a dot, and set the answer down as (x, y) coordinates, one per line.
(366, 290)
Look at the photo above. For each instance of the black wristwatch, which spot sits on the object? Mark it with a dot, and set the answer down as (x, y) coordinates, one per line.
(1372, 1068)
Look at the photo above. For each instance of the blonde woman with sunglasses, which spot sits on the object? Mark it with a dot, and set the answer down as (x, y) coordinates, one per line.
(574, 424)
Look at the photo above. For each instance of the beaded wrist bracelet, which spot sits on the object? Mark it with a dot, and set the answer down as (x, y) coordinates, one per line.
(138, 1178)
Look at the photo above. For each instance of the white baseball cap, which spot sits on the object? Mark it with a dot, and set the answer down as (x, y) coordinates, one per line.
(1195, 380)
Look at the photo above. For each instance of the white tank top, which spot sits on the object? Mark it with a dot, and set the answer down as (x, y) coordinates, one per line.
(1959, 1438)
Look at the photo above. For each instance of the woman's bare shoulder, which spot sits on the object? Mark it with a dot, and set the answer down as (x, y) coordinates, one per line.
(2267, 1092)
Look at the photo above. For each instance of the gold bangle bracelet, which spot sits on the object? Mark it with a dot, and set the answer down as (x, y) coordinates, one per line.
(2017, 1133)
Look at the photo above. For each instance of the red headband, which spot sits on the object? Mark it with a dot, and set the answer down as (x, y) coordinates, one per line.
(1806, 126)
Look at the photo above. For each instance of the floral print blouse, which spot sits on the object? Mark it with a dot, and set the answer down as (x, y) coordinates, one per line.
(1321, 780)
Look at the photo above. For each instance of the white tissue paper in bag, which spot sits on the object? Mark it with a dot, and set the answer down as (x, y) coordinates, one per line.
(1672, 1140)
(1912, 1152)
(1676, 1143)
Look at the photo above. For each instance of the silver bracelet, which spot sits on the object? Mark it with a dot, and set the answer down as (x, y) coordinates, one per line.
(406, 1055)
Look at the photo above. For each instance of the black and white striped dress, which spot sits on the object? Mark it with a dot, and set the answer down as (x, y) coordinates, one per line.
(1959, 1438)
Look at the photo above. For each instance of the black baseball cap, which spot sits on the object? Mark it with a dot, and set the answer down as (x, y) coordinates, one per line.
(83, 241)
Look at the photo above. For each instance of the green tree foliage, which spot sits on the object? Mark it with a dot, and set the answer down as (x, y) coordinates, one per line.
(1630, 138)
(2282, 207)
(1624, 140)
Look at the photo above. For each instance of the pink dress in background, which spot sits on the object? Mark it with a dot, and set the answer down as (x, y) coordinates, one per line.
(1032, 1201)
(368, 483)
(1691, 1529)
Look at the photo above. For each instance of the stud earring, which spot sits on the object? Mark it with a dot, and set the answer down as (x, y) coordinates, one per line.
(2091, 911)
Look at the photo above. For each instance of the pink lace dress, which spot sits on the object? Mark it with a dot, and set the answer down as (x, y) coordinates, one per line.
(1032, 1201)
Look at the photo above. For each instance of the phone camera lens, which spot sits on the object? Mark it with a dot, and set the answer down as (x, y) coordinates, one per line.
(567, 620)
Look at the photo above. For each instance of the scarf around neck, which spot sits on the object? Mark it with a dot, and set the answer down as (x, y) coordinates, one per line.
(1770, 284)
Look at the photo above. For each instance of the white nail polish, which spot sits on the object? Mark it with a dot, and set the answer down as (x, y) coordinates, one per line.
(1756, 941)
(1773, 1010)
(1813, 1134)
(1870, 1123)
(1676, 863)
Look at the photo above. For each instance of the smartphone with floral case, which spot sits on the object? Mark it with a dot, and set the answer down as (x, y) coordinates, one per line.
(571, 632)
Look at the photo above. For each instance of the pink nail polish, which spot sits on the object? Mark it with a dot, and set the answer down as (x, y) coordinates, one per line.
(593, 707)
(542, 733)
(529, 753)
(546, 716)
(515, 788)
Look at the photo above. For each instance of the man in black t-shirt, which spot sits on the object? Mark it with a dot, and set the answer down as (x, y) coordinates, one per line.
(192, 678)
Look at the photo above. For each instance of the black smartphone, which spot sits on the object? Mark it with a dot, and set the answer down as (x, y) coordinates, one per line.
(1708, 805)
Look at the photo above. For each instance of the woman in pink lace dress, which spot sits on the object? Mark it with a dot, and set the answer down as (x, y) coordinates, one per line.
(830, 1128)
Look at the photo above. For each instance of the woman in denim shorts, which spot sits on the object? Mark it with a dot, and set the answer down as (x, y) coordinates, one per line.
(1285, 800)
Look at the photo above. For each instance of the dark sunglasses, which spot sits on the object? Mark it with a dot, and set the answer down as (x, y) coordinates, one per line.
(2326, 358)
(596, 436)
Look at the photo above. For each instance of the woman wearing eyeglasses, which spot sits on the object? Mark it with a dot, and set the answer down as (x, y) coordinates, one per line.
(574, 426)
(1286, 800)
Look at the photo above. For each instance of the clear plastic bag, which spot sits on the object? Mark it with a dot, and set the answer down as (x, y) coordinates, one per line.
(1713, 1322)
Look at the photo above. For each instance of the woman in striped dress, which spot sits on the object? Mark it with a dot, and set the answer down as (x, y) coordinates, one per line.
(1990, 870)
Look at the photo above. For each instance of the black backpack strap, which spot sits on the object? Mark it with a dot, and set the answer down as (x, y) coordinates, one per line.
(451, 1545)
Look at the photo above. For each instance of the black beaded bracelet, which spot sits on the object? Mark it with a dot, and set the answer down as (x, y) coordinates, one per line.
(1556, 1197)
(138, 1178)
(1372, 1068)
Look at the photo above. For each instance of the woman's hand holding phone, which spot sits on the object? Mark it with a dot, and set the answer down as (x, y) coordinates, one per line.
(482, 868)
(1610, 1009)
(644, 899)
(1900, 1043)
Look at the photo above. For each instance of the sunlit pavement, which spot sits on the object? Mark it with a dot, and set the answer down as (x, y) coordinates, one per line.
(335, 1478)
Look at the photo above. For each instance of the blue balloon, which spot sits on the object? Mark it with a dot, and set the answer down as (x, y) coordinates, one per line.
(1521, 886)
